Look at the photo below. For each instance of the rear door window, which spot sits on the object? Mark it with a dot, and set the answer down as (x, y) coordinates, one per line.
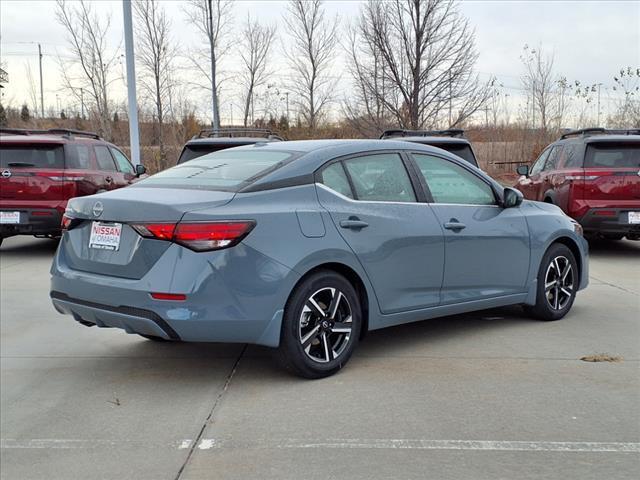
(461, 150)
(613, 155)
(381, 178)
(336, 179)
(105, 160)
(78, 157)
(553, 159)
(123, 163)
(31, 156)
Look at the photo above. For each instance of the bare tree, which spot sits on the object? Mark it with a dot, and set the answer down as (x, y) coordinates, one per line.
(365, 109)
(421, 54)
(213, 19)
(540, 82)
(256, 45)
(310, 53)
(627, 112)
(87, 37)
(156, 55)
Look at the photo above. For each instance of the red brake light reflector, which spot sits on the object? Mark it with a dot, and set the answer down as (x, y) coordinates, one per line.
(177, 297)
(605, 213)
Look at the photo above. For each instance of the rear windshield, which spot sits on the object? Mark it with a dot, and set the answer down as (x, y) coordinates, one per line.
(31, 156)
(613, 155)
(460, 149)
(195, 151)
(224, 170)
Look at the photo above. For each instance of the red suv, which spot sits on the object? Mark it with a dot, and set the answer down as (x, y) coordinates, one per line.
(40, 170)
(594, 176)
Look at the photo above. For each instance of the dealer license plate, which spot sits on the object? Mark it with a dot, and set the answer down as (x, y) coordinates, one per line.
(10, 217)
(634, 217)
(105, 236)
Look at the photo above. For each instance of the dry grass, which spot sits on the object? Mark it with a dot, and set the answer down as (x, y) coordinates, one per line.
(602, 357)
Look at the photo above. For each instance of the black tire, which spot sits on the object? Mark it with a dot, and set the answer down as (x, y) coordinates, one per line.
(552, 301)
(154, 338)
(338, 326)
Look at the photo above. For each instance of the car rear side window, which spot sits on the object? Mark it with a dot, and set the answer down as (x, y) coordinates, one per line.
(450, 183)
(105, 160)
(461, 150)
(31, 156)
(78, 157)
(224, 170)
(381, 178)
(336, 179)
(613, 155)
(122, 161)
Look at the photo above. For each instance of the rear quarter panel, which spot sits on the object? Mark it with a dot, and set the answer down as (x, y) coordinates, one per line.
(291, 229)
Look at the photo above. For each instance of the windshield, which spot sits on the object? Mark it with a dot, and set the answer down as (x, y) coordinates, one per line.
(31, 156)
(223, 170)
(611, 155)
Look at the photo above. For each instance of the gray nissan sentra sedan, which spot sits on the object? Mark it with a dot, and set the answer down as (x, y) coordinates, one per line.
(306, 246)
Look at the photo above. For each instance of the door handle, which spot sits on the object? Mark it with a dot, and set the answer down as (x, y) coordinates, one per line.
(454, 225)
(353, 224)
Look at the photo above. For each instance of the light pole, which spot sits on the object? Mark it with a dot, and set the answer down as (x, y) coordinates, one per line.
(131, 83)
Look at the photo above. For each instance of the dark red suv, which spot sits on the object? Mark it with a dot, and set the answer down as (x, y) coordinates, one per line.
(40, 170)
(594, 176)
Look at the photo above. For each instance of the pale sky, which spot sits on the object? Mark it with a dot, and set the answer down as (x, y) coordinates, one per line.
(591, 41)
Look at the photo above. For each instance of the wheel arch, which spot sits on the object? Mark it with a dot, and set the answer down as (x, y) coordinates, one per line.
(353, 277)
(573, 246)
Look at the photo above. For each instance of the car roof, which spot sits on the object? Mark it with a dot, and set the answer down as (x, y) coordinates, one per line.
(309, 155)
(47, 138)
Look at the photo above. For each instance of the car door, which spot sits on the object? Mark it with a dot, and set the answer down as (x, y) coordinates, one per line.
(397, 240)
(486, 246)
(126, 173)
(107, 167)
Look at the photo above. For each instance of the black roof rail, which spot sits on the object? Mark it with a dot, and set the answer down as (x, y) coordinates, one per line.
(399, 132)
(600, 131)
(50, 131)
(20, 131)
(237, 132)
(69, 132)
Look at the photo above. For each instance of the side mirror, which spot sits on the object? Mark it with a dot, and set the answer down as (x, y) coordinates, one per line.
(511, 197)
(523, 170)
(140, 170)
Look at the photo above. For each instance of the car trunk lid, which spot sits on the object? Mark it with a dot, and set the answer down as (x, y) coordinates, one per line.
(131, 255)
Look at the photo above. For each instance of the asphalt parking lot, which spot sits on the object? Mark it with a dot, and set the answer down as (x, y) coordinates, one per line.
(482, 396)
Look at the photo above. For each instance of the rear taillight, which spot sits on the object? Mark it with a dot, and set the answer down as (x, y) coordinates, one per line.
(198, 236)
(66, 222)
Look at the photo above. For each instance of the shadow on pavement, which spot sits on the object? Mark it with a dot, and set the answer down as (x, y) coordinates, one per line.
(617, 248)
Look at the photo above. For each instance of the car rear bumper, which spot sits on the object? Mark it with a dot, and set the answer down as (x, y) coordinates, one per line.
(232, 295)
(613, 221)
(33, 221)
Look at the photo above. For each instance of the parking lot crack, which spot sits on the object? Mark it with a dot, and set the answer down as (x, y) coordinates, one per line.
(225, 387)
(613, 285)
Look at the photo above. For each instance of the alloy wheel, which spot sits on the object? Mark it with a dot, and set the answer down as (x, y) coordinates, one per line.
(559, 282)
(325, 325)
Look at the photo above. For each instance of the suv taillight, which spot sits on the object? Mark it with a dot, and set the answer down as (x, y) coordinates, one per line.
(198, 236)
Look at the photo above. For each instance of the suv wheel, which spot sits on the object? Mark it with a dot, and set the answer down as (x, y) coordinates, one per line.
(321, 326)
(557, 284)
